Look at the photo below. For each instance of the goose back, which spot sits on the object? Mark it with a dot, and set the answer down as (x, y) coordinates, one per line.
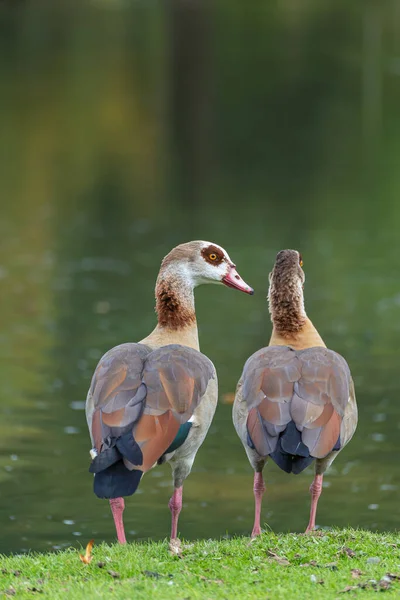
(296, 403)
(136, 403)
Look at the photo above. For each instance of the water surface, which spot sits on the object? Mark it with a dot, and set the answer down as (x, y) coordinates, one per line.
(127, 128)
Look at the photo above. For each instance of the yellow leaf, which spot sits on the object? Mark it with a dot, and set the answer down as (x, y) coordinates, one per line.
(88, 553)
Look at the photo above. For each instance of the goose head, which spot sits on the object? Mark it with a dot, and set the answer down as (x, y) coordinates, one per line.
(287, 271)
(201, 262)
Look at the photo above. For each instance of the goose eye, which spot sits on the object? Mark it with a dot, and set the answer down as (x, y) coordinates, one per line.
(213, 256)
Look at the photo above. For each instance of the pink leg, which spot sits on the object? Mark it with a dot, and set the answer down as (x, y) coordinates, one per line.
(175, 506)
(117, 509)
(259, 489)
(315, 491)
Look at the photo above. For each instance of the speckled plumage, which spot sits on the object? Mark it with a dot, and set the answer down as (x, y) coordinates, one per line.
(286, 294)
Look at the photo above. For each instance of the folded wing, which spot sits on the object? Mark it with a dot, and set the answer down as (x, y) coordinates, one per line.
(296, 402)
(176, 379)
(137, 401)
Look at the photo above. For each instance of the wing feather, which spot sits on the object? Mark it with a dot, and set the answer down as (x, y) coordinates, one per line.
(147, 394)
(309, 388)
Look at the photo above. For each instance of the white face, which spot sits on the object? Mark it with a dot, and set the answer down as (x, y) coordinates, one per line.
(213, 264)
(200, 262)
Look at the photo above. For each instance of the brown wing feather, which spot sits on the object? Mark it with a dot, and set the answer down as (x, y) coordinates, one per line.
(268, 378)
(96, 431)
(148, 392)
(310, 387)
(321, 440)
(179, 391)
(324, 384)
(256, 431)
(154, 435)
(115, 398)
(176, 378)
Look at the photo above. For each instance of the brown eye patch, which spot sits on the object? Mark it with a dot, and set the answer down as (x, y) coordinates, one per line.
(213, 255)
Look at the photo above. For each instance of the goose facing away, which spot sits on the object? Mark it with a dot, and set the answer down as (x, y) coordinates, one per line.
(295, 400)
(153, 401)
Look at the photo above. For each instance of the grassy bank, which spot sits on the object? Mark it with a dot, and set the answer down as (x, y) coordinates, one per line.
(335, 564)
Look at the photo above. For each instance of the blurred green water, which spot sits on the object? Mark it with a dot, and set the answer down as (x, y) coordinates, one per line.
(129, 127)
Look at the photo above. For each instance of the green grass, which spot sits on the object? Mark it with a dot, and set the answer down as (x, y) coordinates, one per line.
(273, 566)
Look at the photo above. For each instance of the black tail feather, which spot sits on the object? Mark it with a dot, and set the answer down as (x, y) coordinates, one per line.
(116, 481)
(283, 460)
(112, 479)
(300, 463)
(291, 454)
(105, 459)
(291, 463)
(128, 447)
(292, 443)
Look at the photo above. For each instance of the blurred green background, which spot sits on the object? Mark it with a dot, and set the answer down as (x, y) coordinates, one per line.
(129, 126)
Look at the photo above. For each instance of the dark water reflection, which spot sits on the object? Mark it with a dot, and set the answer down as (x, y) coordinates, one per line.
(127, 128)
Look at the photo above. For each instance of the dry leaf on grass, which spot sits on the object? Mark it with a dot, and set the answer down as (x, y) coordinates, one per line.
(312, 563)
(313, 533)
(114, 574)
(87, 557)
(218, 581)
(348, 551)
(348, 588)
(385, 583)
(356, 573)
(282, 560)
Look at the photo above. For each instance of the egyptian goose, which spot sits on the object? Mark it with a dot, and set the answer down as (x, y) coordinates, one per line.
(295, 400)
(153, 401)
